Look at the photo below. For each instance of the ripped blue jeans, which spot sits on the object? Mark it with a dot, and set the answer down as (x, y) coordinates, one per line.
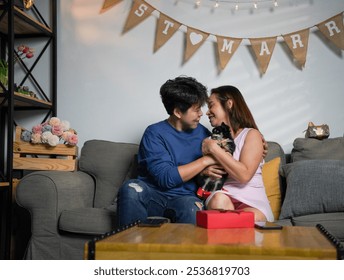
(136, 201)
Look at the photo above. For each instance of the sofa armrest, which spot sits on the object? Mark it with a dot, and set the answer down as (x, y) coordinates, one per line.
(45, 194)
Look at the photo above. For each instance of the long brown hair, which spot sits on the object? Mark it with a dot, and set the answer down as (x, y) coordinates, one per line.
(240, 115)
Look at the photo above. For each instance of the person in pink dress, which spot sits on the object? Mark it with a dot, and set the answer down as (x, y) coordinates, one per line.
(244, 188)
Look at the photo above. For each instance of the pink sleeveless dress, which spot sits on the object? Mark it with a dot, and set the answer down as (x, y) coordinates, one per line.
(253, 193)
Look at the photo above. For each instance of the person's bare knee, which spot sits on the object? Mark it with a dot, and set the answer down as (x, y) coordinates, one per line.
(220, 201)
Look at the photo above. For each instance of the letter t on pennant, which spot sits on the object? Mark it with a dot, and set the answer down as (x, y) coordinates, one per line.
(166, 28)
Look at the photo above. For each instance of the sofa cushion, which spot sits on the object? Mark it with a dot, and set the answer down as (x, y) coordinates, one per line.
(284, 222)
(133, 169)
(308, 148)
(109, 163)
(90, 221)
(314, 186)
(271, 181)
(333, 222)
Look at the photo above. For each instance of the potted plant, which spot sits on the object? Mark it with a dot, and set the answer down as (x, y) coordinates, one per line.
(3, 73)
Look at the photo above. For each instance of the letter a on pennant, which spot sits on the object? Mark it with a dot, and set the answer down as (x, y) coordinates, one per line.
(194, 39)
(333, 29)
(139, 11)
(298, 44)
(263, 49)
(166, 28)
(226, 47)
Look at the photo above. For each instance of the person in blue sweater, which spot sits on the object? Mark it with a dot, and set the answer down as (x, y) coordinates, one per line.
(169, 158)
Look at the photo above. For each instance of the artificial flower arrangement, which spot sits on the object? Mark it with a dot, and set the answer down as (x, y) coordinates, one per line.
(23, 52)
(51, 132)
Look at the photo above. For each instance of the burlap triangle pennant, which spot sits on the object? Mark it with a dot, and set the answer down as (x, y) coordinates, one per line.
(194, 39)
(333, 30)
(166, 28)
(298, 44)
(108, 4)
(263, 49)
(140, 10)
(226, 47)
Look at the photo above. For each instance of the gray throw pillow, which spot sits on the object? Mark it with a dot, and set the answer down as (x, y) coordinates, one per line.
(313, 186)
(308, 148)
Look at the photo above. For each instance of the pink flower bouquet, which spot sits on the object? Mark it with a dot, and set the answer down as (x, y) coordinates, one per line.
(51, 132)
(23, 52)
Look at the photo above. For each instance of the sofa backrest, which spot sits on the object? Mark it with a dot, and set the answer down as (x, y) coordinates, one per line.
(275, 150)
(109, 163)
(309, 149)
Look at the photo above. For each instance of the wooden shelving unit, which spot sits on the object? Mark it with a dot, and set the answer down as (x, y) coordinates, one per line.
(23, 25)
(25, 101)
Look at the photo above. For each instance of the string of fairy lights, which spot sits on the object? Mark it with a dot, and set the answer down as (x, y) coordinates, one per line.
(235, 4)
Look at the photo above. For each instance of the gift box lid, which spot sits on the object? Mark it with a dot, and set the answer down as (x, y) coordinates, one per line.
(224, 219)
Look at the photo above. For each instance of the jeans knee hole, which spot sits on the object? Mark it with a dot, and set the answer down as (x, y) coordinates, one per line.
(135, 186)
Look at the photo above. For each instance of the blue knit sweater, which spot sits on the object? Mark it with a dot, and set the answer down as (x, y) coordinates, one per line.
(162, 150)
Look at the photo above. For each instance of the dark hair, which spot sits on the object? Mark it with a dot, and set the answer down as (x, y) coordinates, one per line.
(181, 93)
(240, 115)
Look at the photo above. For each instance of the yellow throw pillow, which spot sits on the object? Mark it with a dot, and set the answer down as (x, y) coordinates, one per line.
(272, 185)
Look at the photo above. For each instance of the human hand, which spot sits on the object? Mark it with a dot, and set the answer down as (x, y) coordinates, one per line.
(209, 160)
(213, 171)
(207, 145)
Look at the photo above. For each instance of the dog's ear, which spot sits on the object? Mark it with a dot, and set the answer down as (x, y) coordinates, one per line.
(226, 131)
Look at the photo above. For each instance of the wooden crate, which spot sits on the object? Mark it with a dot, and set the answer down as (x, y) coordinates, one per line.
(28, 156)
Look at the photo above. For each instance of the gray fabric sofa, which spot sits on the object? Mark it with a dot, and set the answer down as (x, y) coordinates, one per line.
(314, 185)
(68, 209)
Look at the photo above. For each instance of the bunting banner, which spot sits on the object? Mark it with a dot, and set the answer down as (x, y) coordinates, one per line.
(139, 12)
(166, 28)
(226, 47)
(333, 30)
(108, 4)
(298, 44)
(263, 48)
(194, 39)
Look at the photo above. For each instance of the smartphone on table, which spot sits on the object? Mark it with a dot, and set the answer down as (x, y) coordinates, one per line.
(267, 225)
(154, 222)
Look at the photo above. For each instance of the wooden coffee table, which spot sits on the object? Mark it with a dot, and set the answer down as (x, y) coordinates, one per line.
(186, 241)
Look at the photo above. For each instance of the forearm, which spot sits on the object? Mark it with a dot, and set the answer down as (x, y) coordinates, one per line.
(245, 167)
(236, 169)
(190, 170)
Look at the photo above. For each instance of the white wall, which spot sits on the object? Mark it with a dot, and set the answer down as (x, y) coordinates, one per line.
(108, 83)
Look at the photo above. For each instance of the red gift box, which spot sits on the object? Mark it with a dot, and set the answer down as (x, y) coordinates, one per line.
(224, 219)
